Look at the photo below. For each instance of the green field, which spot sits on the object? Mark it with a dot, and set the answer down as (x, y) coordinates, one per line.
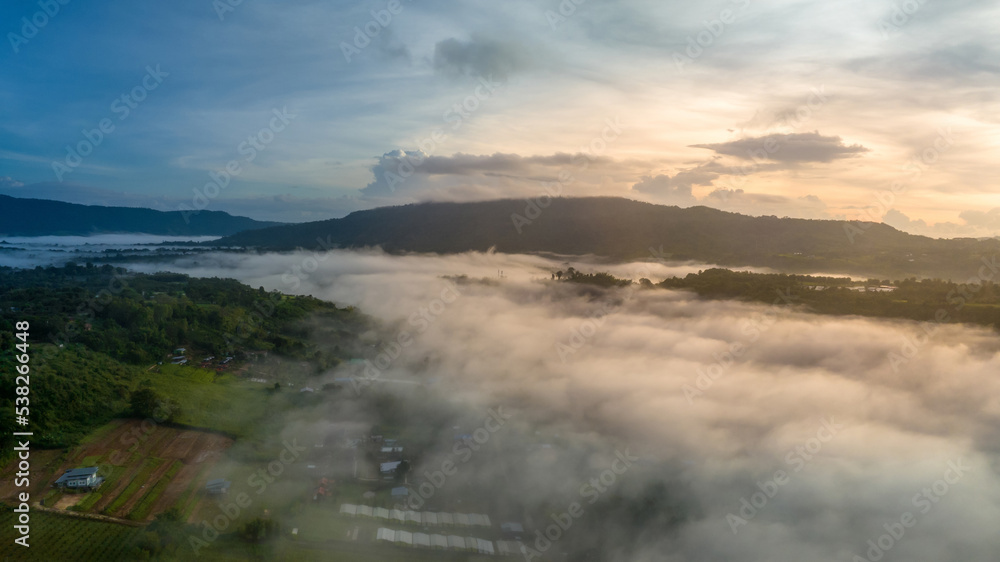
(222, 403)
(142, 509)
(60, 537)
(140, 478)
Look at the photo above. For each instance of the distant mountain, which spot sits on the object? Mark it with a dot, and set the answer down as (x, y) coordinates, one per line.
(622, 229)
(41, 217)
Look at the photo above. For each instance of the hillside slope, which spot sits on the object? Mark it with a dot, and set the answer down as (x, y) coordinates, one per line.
(42, 217)
(623, 229)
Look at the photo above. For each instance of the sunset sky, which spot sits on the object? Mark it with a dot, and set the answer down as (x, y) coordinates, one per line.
(806, 109)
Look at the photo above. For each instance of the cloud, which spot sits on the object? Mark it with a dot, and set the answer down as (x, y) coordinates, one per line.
(762, 408)
(677, 190)
(986, 219)
(404, 176)
(787, 148)
(480, 56)
(974, 224)
(739, 201)
(412, 176)
(7, 182)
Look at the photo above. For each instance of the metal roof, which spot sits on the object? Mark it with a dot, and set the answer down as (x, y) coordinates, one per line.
(77, 473)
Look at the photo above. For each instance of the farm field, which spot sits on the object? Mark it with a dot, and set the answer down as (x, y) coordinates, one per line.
(147, 469)
(64, 537)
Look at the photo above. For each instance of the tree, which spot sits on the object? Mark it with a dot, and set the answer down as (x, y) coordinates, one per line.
(259, 530)
(147, 403)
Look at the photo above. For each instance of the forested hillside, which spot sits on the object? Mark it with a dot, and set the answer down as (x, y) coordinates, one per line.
(98, 332)
(42, 217)
(623, 229)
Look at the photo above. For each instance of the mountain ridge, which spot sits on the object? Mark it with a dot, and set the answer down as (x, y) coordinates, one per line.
(624, 229)
(46, 217)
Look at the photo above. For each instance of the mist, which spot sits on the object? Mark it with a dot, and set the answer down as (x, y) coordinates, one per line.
(741, 431)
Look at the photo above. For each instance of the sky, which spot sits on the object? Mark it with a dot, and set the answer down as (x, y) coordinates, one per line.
(305, 110)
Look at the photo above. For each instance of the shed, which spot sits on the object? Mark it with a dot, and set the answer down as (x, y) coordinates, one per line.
(217, 486)
(79, 478)
(365, 510)
(421, 539)
(429, 517)
(446, 519)
(381, 513)
(462, 519)
(439, 541)
(384, 534)
(413, 517)
(398, 515)
(512, 527)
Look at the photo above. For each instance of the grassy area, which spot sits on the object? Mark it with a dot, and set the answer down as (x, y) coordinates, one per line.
(99, 434)
(221, 403)
(91, 460)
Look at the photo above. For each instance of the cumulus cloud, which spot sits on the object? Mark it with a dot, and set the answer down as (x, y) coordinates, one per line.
(404, 176)
(789, 148)
(677, 189)
(740, 201)
(714, 397)
(986, 219)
